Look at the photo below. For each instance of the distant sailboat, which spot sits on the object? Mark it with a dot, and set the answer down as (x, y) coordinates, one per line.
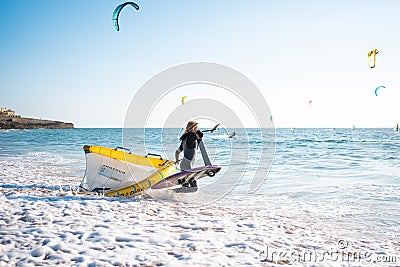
(396, 127)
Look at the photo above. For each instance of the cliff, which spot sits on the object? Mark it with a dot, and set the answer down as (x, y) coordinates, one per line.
(29, 123)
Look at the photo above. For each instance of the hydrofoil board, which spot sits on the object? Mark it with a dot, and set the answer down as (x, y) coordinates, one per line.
(184, 176)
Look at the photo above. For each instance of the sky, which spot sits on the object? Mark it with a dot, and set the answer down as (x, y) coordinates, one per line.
(63, 60)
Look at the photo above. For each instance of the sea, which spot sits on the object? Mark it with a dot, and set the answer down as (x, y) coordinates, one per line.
(285, 193)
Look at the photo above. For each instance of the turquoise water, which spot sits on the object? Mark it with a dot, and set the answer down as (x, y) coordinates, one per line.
(343, 178)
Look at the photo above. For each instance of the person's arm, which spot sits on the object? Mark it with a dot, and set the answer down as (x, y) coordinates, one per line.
(199, 135)
(195, 136)
(178, 151)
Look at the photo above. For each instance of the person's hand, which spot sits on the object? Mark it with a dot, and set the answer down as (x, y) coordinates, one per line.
(177, 163)
(199, 134)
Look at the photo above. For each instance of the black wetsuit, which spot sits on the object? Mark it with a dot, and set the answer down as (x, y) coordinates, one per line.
(189, 142)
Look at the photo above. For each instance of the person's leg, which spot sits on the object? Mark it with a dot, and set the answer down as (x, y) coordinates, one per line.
(193, 183)
(185, 165)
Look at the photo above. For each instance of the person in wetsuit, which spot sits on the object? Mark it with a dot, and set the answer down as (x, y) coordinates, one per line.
(189, 142)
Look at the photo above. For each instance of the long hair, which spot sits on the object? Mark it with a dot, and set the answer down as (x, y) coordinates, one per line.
(189, 127)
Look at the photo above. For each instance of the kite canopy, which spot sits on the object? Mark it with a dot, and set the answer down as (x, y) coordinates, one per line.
(372, 57)
(115, 172)
(119, 9)
(183, 99)
(377, 88)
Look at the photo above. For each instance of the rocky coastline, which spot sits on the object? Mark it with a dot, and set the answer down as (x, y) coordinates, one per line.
(7, 122)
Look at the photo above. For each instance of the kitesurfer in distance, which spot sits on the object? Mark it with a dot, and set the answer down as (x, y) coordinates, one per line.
(189, 142)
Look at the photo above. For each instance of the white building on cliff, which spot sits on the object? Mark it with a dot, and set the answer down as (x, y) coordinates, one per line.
(8, 113)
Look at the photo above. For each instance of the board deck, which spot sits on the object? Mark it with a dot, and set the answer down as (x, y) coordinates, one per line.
(184, 176)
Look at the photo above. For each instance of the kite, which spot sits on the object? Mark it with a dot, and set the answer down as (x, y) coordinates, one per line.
(119, 9)
(183, 99)
(372, 58)
(377, 88)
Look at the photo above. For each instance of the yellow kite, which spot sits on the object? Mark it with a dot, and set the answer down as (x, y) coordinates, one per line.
(372, 57)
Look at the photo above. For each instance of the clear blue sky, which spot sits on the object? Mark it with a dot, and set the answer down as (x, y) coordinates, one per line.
(63, 60)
